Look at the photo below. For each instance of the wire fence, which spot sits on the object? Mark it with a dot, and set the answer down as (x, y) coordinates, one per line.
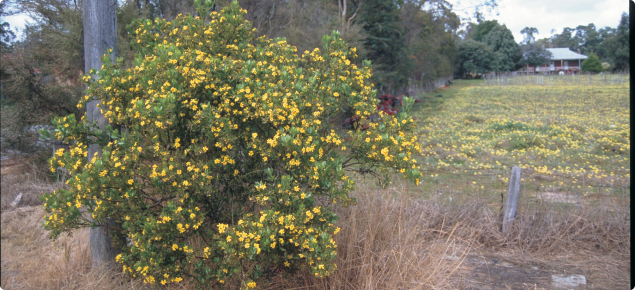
(511, 79)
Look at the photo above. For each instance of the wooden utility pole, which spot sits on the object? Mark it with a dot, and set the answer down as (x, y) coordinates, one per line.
(100, 34)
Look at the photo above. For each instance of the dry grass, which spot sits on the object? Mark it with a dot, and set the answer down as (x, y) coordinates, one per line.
(25, 175)
(389, 240)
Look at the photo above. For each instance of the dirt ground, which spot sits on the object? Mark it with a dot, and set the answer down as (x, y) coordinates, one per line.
(14, 166)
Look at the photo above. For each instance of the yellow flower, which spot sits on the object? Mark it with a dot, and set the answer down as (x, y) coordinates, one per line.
(222, 227)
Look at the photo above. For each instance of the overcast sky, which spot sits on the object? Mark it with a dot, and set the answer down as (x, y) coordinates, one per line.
(546, 15)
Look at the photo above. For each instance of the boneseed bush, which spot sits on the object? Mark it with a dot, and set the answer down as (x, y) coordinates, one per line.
(228, 167)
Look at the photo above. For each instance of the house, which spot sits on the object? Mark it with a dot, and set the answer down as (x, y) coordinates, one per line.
(563, 61)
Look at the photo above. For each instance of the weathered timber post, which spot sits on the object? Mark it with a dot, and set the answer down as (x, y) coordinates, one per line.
(100, 34)
(512, 200)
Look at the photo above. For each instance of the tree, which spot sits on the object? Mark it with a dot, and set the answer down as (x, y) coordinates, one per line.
(230, 165)
(347, 17)
(100, 37)
(535, 55)
(587, 38)
(483, 29)
(41, 72)
(167, 9)
(592, 64)
(6, 35)
(529, 33)
(477, 57)
(303, 23)
(606, 35)
(431, 39)
(565, 39)
(621, 49)
(501, 40)
(385, 44)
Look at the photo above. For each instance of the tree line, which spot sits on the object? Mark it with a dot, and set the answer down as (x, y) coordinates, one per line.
(489, 46)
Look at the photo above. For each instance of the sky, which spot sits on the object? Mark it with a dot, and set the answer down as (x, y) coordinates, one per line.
(17, 23)
(546, 15)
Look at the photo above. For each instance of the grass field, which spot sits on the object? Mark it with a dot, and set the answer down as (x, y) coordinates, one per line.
(570, 137)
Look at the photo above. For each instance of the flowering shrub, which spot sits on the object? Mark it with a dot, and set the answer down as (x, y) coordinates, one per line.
(228, 165)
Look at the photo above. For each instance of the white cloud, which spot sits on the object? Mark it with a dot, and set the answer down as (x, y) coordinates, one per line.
(546, 15)
(17, 23)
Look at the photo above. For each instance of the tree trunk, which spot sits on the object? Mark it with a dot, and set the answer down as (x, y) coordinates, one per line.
(100, 33)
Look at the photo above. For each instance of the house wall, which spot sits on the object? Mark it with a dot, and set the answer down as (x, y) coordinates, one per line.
(559, 64)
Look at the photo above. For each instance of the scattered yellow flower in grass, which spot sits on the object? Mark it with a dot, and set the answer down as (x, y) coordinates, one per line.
(485, 130)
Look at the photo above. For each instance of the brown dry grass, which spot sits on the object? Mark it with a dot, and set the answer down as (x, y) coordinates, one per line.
(23, 177)
(389, 240)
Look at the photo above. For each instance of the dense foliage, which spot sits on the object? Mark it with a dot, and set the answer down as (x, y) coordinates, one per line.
(501, 40)
(385, 43)
(504, 54)
(592, 64)
(40, 75)
(431, 38)
(228, 165)
(477, 57)
(484, 28)
(535, 55)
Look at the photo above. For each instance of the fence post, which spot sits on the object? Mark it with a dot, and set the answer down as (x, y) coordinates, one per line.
(512, 200)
